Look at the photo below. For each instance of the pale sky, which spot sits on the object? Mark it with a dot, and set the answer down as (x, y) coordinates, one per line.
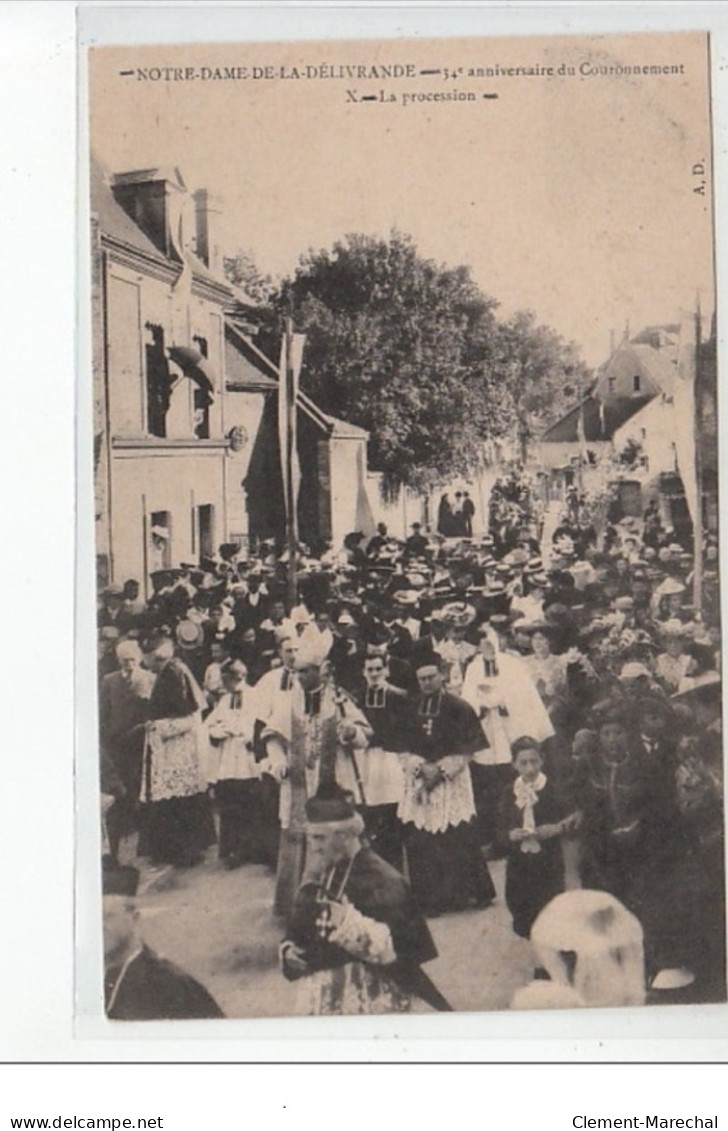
(571, 195)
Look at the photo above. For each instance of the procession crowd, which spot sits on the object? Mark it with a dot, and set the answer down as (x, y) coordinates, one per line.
(421, 709)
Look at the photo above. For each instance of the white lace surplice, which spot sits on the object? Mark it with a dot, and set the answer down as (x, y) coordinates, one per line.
(449, 803)
(350, 989)
(176, 757)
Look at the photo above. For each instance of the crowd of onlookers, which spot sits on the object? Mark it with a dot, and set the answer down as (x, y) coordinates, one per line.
(588, 712)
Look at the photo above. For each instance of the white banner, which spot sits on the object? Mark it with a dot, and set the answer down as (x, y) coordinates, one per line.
(289, 370)
(686, 436)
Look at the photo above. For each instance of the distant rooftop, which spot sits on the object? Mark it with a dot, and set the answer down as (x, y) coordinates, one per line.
(601, 420)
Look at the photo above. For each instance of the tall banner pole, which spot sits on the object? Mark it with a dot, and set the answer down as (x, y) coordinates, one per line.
(698, 517)
(290, 493)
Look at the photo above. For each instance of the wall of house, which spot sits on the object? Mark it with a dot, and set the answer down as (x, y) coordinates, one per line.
(351, 508)
(653, 428)
(154, 477)
(617, 379)
(173, 481)
(398, 515)
(136, 302)
(411, 506)
(555, 455)
(244, 409)
(99, 417)
(263, 484)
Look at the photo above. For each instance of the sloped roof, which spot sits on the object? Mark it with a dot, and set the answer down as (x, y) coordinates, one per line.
(117, 224)
(342, 429)
(248, 369)
(113, 220)
(659, 366)
(244, 370)
(614, 413)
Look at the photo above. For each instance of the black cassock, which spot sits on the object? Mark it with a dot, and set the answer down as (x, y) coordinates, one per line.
(384, 709)
(152, 989)
(177, 829)
(443, 724)
(446, 868)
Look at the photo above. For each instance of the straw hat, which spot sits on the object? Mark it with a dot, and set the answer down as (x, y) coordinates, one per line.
(458, 614)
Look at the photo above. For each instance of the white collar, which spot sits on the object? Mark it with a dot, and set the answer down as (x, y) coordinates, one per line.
(521, 788)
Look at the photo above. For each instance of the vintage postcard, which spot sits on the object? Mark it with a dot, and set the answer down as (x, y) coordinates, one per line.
(406, 506)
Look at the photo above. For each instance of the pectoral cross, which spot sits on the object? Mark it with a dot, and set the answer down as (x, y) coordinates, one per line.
(323, 922)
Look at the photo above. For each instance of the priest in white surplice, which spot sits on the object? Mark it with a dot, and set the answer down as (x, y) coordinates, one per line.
(499, 688)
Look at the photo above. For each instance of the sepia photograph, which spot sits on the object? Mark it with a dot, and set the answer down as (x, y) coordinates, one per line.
(405, 462)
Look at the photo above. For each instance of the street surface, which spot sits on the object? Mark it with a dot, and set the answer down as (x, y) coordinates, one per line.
(219, 927)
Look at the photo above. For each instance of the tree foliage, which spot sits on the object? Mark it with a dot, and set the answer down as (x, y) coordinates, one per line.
(241, 270)
(538, 374)
(412, 351)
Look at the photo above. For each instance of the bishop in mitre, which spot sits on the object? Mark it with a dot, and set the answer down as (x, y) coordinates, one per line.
(316, 735)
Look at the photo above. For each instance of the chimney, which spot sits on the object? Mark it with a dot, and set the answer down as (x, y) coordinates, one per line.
(208, 214)
(151, 198)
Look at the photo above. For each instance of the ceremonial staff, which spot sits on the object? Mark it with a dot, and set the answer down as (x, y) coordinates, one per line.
(348, 746)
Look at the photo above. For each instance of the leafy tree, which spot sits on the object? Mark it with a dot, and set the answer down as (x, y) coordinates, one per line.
(412, 351)
(396, 344)
(240, 270)
(538, 375)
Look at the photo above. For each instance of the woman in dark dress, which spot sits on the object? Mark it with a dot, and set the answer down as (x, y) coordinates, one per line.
(618, 792)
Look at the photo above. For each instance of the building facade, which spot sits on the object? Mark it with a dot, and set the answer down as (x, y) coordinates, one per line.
(186, 448)
(651, 414)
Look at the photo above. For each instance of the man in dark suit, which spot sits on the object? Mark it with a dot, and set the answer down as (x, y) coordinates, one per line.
(123, 711)
(417, 544)
(468, 513)
(399, 673)
(251, 608)
(138, 984)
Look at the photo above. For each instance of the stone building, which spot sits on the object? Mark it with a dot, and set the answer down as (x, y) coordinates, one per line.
(185, 407)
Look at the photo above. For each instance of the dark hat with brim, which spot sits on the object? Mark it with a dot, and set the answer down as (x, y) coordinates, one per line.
(228, 550)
